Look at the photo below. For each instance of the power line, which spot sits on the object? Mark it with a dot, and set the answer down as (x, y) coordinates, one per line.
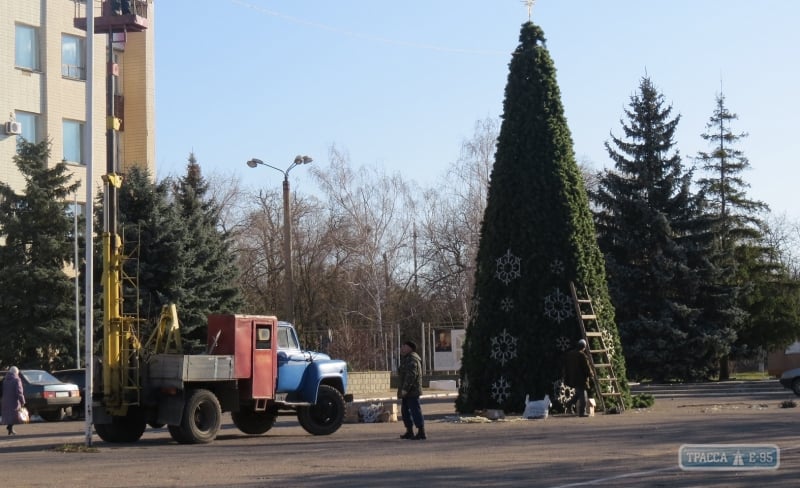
(368, 37)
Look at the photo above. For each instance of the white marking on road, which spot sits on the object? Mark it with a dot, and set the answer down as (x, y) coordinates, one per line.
(612, 478)
(641, 473)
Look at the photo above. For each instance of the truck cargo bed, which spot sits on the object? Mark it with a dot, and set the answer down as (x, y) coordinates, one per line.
(175, 369)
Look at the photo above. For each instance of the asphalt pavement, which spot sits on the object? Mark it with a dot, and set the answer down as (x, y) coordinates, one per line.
(635, 449)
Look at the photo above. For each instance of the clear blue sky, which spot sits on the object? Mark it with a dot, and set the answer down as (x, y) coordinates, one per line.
(400, 85)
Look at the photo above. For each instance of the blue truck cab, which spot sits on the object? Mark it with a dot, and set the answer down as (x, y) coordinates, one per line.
(301, 372)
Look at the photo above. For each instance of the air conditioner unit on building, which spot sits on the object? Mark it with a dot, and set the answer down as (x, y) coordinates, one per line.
(13, 128)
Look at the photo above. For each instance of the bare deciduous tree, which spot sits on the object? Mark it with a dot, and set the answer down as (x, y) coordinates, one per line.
(259, 250)
(371, 216)
(232, 200)
(451, 224)
(783, 236)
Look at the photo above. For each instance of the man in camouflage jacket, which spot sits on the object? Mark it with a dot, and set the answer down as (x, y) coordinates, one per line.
(409, 391)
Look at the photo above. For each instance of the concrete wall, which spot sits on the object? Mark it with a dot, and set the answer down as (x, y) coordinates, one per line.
(781, 360)
(368, 382)
(365, 383)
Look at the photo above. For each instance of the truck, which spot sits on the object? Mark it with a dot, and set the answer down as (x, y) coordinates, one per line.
(253, 366)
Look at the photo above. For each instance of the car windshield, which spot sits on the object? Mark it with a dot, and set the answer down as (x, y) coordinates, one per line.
(35, 376)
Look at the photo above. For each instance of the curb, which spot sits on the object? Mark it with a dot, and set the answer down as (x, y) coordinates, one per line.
(431, 411)
(387, 397)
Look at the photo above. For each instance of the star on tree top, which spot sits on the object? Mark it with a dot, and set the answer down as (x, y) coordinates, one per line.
(529, 3)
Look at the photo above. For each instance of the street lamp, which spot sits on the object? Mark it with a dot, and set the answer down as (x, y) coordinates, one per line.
(287, 228)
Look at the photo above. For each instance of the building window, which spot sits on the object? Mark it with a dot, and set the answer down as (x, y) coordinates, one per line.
(30, 126)
(26, 49)
(72, 207)
(73, 141)
(73, 57)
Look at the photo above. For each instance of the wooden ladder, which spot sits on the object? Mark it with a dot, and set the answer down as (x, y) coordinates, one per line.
(605, 380)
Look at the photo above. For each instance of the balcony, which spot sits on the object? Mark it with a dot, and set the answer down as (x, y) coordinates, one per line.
(110, 19)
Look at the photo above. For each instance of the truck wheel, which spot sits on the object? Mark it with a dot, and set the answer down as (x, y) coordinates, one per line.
(253, 423)
(201, 420)
(326, 416)
(123, 429)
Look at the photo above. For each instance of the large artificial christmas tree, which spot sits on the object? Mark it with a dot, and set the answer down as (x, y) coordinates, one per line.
(537, 236)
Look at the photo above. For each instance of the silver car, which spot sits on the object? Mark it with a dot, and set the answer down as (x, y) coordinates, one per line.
(791, 379)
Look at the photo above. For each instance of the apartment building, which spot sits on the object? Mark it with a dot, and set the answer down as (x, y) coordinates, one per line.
(43, 85)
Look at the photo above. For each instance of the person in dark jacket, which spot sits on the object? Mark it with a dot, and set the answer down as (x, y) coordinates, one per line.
(121, 7)
(409, 391)
(577, 373)
(13, 399)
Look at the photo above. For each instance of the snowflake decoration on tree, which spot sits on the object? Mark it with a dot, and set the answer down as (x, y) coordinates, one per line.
(504, 347)
(609, 342)
(563, 343)
(507, 304)
(501, 389)
(558, 306)
(562, 392)
(557, 267)
(508, 267)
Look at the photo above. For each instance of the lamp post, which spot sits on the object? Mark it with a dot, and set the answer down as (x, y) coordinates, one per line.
(287, 228)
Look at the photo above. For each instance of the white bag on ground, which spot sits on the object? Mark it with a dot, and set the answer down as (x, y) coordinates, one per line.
(537, 409)
(370, 413)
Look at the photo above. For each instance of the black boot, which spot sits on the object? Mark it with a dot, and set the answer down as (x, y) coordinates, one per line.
(11, 430)
(408, 435)
(420, 435)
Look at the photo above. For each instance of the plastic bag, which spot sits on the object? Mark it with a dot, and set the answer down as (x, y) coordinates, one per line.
(537, 409)
(23, 416)
(370, 413)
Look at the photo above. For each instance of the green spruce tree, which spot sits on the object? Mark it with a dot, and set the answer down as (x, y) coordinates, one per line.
(734, 219)
(152, 231)
(537, 236)
(764, 312)
(736, 215)
(210, 273)
(771, 300)
(176, 254)
(656, 243)
(37, 307)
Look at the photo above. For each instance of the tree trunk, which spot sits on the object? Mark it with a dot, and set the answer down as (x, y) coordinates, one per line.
(724, 368)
